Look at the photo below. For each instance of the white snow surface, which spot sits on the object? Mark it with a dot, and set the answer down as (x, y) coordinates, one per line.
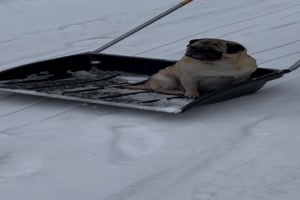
(242, 149)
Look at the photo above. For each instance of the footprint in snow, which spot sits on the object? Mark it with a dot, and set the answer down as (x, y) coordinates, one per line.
(17, 166)
(134, 141)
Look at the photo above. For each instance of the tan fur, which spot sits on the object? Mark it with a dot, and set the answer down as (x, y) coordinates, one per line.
(189, 75)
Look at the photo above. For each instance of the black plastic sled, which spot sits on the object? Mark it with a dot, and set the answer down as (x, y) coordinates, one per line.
(93, 77)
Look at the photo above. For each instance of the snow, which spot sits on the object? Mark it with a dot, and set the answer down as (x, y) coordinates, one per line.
(246, 148)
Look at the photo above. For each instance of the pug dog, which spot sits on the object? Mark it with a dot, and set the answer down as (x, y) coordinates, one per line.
(208, 64)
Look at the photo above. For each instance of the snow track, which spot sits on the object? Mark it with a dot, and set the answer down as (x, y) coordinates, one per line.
(246, 148)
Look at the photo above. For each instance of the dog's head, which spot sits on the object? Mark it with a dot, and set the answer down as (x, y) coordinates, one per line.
(208, 49)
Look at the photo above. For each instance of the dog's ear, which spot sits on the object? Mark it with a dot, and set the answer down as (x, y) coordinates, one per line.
(234, 48)
(193, 41)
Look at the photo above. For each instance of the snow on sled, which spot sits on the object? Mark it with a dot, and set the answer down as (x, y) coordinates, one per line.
(92, 77)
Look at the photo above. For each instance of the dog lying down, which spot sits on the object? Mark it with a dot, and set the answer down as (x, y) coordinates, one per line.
(208, 64)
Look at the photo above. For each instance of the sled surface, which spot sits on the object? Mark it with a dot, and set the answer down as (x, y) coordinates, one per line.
(92, 77)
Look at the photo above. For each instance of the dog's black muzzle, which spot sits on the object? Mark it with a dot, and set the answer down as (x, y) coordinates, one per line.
(204, 54)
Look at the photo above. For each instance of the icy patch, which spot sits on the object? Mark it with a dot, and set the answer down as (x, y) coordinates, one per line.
(134, 141)
(33, 77)
(36, 77)
(133, 79)
(79, 89)
(95, 62)
(84, 74)
(171, 110)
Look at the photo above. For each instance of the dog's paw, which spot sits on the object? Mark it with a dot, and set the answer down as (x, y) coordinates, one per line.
(192, 95)
(180, 93)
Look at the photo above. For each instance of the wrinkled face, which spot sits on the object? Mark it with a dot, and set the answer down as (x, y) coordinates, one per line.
(213, 49)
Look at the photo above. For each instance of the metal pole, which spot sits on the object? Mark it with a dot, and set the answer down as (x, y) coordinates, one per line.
(122, 37)
(295, 66)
